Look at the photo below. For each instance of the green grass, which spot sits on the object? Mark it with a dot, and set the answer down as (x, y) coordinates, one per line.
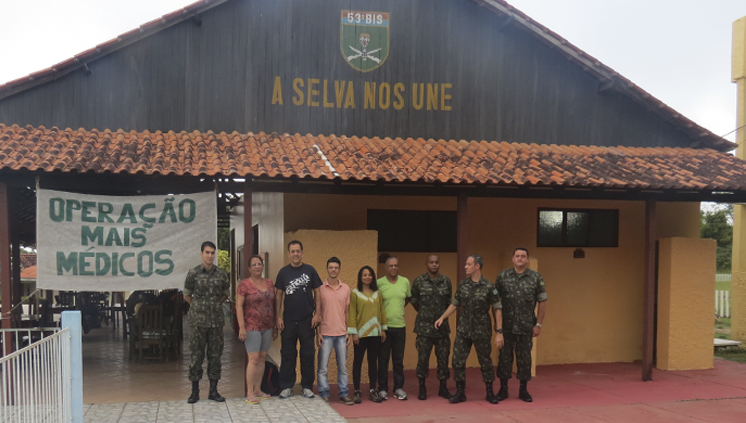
(724, 323)
(732, 353)
(722, 286)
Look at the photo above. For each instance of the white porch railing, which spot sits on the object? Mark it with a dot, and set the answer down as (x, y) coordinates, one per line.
(14, 339)
(41, 373)
(35, 380)
(722, 303)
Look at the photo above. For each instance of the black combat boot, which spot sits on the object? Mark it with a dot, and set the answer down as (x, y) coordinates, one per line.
(523, 392)
(195, 393)
(443, 391)
(502, 394)
(459, 395)
(423, 390)
(491, 397)
(214, 395)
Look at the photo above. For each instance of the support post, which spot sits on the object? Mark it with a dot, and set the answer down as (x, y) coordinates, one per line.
(72, 320)
(738, 266)
(6, 286)
(248, 248)
(648, 319)
(248, 232)
(462, 226)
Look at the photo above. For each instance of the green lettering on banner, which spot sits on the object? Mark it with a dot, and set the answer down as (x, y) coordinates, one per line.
(142, 212)
(104, 209)
(69, 264)
(83, 263)
(103, 264)
(121, 264)
(168, 211)
(138, 237)
(113, 238)
(70, 206)
(57, 214)
(114, 264)
(140, 267)
(190, 206)
(127, 213)
(160, 260)
(86, 235)
(85, 214)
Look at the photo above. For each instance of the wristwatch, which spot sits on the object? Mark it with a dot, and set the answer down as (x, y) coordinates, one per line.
(499, 330)
(539, 325)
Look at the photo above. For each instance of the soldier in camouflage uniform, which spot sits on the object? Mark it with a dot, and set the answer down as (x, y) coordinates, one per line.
(475, 295)
(431, 295)
(205, 289)
(520, 288)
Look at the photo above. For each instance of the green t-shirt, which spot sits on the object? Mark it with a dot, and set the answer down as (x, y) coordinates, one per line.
(394, 299)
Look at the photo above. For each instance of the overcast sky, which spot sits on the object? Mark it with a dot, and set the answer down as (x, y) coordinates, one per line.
(677, 50)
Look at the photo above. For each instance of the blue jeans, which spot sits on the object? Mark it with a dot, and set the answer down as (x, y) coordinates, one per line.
(338, 343)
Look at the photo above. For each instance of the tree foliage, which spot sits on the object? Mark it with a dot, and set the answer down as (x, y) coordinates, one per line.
(718, 225)
(224, 260)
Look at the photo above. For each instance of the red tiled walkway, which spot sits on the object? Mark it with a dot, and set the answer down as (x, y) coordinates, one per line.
(610, 392)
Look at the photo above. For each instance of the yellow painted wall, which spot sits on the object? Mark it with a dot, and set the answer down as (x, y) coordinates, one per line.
(686, 292)
(738, 284)
(594, 313)
(354, 249)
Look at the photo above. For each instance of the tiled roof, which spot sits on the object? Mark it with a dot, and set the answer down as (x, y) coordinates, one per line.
(28, 260)
(608, 78)
(29, 273)
(353, 158)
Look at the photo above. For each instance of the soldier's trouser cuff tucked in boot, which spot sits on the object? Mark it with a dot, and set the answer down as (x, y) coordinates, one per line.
(502, 394)
(214, 395)
(423, 390)
(194, 397)
(491, 397)
(443, 391)
(460, 394)
(523, 392)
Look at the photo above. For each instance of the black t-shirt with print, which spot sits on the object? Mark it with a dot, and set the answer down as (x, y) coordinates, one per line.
(298, 284)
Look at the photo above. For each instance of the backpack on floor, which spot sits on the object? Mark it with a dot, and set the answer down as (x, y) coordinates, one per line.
(271, 379)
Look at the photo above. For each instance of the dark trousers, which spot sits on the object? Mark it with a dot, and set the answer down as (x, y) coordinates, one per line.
(297, 330)
(205, 339)
(392, 349)
(522, 345)
(371, 344)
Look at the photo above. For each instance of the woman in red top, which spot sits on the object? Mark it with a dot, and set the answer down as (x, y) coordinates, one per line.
(255, 307)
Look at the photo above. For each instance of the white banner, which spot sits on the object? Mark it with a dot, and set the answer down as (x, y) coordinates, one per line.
(108, 243)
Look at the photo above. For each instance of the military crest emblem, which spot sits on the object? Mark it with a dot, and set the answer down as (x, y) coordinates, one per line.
(364, 39)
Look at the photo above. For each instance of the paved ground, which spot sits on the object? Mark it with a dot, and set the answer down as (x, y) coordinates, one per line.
(293, 410)
(611, 392)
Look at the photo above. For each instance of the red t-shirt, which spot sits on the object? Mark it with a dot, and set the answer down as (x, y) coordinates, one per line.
(258, 306)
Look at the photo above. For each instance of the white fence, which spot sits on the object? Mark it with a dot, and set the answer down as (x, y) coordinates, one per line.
(722, 303)
(722, 298)
(35, 380)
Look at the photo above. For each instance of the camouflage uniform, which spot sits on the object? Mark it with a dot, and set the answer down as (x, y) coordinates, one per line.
(519, 294)
(206, 287)
(474, 326)
(432, 296)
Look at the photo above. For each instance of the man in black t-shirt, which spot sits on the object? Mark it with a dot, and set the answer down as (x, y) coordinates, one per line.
(298, 308)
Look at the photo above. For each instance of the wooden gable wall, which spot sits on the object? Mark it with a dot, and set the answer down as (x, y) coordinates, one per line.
(221, 73)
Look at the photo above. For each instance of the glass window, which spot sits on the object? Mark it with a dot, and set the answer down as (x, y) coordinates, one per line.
(578, 228)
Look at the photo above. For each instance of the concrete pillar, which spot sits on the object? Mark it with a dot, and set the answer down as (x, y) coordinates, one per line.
(686, 292)
(738, 282)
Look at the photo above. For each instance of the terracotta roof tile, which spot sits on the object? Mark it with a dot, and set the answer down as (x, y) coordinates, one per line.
(354, 158)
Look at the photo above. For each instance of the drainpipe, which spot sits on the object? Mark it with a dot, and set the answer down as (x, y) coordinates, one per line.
(738, 280)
